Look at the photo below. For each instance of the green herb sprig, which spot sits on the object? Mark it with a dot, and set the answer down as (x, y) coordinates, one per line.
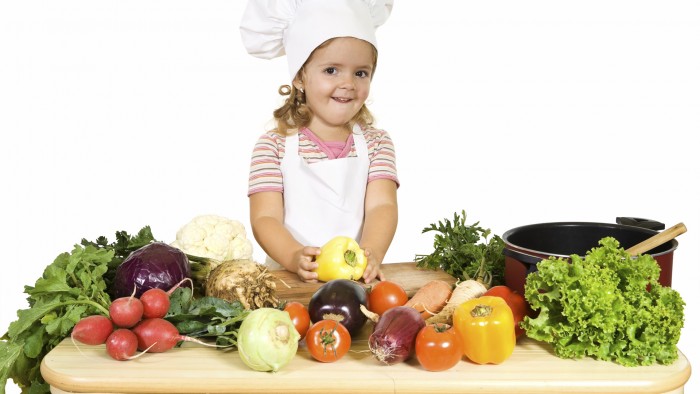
(465, 251)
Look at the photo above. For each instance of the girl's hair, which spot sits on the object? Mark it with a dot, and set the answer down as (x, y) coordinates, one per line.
(294, 114)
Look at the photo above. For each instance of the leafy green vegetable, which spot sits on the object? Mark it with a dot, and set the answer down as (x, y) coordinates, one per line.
(72, 287)
(206, 317)
(609, 306)
(465, 251)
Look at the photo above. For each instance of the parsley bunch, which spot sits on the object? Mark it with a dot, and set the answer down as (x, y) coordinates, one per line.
(465, 251)
(72, 287)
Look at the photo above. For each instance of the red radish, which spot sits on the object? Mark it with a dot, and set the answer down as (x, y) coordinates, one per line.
(92, 330)
(125, 312)
(158, 335)
(121, 345)
(156, 301)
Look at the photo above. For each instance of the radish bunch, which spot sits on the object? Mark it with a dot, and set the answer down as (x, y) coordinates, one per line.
(133, 324)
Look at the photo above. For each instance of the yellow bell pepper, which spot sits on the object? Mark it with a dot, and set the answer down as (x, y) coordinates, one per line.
(485, 325)
(341, 258)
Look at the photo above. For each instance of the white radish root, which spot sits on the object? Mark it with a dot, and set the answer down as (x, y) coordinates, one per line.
(463, 291)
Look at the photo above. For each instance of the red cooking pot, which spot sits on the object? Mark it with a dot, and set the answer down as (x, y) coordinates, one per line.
(528, 245)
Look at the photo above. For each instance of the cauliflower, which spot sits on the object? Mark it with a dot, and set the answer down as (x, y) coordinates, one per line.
(214, 237)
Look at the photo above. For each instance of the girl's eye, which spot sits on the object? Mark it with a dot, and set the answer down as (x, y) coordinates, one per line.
(362, 74)
(331, 70)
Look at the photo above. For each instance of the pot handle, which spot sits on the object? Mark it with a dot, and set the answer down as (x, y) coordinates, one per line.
(640, 222)
(529, 260)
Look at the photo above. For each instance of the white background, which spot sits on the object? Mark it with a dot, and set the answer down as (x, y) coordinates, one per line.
(120, 114)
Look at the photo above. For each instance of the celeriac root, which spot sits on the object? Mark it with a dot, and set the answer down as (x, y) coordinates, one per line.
(463, 291)
(245, 281)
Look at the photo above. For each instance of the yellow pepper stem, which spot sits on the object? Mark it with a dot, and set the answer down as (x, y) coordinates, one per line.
(350, 258)
(481, 311)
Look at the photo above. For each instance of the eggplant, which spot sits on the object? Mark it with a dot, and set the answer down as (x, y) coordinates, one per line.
(340, 300)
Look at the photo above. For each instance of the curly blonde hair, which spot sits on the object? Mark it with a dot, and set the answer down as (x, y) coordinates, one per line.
(294, 114)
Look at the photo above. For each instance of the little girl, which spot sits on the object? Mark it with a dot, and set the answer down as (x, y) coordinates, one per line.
(324, 170)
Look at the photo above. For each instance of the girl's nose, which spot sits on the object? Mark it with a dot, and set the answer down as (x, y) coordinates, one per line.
(348, 82)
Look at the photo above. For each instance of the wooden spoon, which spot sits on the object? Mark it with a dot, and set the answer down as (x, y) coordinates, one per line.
(656, 240)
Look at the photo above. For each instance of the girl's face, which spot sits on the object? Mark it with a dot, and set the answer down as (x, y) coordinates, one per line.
(336, 82)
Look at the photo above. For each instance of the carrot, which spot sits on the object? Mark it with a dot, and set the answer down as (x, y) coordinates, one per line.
(464, 291)
(431, 298)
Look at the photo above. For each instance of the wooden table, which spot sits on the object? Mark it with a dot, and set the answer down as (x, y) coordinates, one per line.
(190, 369)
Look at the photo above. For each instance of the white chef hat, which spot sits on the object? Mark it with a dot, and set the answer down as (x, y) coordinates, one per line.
(272, 28)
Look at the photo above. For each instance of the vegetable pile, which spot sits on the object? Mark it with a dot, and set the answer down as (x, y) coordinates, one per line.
(609, 306)
(74, 286)
(139, 325)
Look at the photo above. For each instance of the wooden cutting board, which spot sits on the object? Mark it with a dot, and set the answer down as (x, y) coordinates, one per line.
(411, 278)
(533, 368)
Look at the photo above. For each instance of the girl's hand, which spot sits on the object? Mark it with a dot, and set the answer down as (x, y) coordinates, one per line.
(372, 271)
(305, 263)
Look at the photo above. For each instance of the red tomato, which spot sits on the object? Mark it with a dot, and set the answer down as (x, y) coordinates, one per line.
(438, 347)
(386, 295)
(328, 340)
(515, 301)
(300, 316)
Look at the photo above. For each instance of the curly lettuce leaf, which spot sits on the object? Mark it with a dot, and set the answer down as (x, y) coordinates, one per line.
(609, 306)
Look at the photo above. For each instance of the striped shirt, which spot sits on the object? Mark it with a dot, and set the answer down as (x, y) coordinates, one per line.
(266, 174)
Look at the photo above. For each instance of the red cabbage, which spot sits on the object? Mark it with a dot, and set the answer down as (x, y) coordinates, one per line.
(156, 265)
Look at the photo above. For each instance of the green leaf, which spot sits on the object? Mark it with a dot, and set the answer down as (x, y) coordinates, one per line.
(34, 343)
(9, 352)
(27, 317)
(52, 284)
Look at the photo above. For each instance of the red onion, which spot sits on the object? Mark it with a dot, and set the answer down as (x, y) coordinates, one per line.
(394, 336)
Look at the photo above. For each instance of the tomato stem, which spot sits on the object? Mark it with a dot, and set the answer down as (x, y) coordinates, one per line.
(441, 327)
(328, 339)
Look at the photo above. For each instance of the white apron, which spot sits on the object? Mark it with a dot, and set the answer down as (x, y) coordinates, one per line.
(324, 199)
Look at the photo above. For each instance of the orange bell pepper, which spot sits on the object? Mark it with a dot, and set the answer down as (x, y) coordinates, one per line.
(486, 327)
